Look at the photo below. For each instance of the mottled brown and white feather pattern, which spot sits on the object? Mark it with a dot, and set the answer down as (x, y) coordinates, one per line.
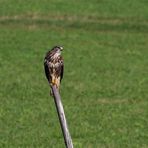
(54, 67)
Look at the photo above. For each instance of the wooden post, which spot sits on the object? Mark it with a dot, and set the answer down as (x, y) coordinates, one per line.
(62, 118)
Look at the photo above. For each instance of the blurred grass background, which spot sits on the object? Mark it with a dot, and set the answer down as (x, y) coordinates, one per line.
(105, 85)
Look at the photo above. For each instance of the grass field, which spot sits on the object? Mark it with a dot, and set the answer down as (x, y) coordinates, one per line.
(105, 85)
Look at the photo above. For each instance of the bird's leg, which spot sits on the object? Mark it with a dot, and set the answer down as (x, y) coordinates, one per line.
(53, 81)
(56, 81)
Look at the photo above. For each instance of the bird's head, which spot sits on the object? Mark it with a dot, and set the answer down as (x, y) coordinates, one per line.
(57, 49)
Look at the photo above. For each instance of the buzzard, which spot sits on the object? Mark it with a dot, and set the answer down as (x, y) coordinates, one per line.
(54, 66)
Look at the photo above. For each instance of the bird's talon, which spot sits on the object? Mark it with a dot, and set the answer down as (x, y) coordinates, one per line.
(53, 82)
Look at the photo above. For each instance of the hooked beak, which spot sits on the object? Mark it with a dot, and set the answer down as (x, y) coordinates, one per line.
(61, 48)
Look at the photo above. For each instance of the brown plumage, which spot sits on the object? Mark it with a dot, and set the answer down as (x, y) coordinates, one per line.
(54, 66)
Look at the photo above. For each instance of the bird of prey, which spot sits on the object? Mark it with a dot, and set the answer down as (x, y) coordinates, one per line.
(54, 66)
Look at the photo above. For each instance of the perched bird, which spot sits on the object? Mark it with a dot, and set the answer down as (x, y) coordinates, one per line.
(54, 66)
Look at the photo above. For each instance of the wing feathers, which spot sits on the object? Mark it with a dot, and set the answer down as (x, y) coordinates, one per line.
(54, 66)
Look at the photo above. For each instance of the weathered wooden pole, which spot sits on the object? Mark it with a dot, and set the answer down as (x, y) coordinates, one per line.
(62, 118)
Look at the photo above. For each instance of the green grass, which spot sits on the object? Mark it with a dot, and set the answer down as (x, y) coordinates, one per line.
(105, 85)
